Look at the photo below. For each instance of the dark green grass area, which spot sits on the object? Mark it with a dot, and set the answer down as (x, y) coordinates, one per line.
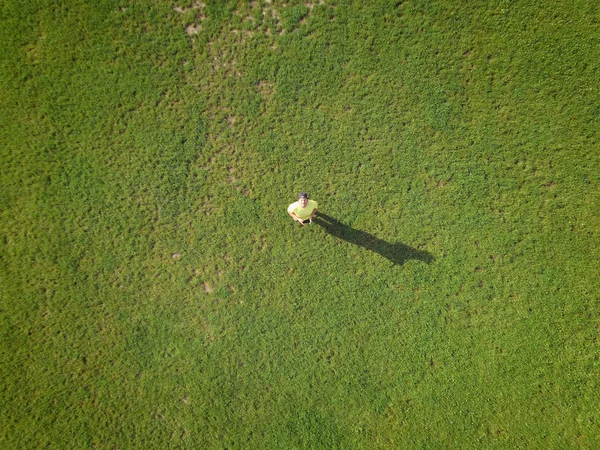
(155, 294)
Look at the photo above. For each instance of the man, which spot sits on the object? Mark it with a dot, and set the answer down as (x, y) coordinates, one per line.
(303, 210)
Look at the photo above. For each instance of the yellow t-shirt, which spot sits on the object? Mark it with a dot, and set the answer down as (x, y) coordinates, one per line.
(303, 213)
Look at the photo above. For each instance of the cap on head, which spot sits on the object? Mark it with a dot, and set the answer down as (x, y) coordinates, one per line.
(302, 195)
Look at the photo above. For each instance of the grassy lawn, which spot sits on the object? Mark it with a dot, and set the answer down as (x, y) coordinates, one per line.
(155, 294)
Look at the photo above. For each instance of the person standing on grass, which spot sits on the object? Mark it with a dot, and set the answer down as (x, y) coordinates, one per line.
(302, 211)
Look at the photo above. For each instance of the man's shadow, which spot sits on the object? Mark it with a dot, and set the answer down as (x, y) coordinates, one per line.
(397, 253)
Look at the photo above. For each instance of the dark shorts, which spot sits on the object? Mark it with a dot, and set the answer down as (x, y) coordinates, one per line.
(306, 221)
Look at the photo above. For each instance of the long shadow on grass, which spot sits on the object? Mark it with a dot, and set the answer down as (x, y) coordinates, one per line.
(397, 253)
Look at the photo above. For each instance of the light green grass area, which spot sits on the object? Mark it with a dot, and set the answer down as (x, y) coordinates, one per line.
(155, 294)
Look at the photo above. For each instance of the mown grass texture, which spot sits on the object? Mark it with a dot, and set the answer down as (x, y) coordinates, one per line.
(156, 295)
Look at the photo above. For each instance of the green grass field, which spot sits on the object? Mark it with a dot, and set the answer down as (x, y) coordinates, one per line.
(155, 294)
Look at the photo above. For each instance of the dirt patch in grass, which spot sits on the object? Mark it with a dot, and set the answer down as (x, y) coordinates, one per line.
(265, 88)
(196, 5)
(192, 29)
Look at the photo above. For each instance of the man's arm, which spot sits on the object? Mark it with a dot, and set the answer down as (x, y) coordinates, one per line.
(295, 217)
(311, 214)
